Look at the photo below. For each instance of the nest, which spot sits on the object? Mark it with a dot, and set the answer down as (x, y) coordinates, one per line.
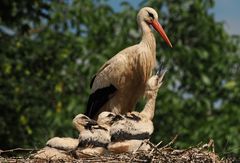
(200, 154)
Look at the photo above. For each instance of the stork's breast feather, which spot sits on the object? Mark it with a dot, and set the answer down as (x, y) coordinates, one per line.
(146, 64)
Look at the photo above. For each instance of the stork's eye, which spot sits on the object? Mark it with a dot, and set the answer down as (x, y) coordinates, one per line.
(110, 115)
(151, 15)
(84, 117)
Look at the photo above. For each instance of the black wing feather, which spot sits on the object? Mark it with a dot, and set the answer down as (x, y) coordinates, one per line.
(92, 81)
(97, 99)
(133, 117)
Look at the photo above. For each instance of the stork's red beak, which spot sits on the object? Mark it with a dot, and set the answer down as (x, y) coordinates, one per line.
(157, 26)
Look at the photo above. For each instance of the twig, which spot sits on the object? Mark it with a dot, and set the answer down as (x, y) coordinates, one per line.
(171, 142)
(199, 144)
(101, 158)
(156, 146)
(208, 145)
(159, 143)
(213, 146)
(134, 152)
(34, 154)
(145, 141)
(17, 149)
(153, 146)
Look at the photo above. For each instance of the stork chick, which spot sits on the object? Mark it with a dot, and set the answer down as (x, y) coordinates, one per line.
(121, 81)
(93, 139)
(94, 135)
(128, 134)
(66, 143)
(53, 154)
(63, 143)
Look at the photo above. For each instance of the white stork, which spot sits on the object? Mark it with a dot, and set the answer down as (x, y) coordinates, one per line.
(63, 143)
(94, 136)
(51, 154)
(93, 139)
(121, 81)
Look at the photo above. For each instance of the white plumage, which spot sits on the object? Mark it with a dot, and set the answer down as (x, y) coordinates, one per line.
(121, 81)
(128, 133)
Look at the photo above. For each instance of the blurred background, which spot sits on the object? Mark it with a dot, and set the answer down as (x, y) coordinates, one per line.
(49, 50)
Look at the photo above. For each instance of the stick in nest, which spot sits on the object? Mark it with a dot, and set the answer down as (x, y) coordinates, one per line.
(17, 149)
(134, 152)
(208, 145)
(171, 142)
(153, 146)
(156, 146)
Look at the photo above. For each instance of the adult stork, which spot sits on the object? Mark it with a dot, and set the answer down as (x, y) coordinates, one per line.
(121, 81)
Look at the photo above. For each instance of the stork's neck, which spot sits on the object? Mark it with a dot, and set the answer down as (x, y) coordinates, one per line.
(149, 108)
(147, 36)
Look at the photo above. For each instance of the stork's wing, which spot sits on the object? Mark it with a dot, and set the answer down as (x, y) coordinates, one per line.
(97, 99)
(105, 83)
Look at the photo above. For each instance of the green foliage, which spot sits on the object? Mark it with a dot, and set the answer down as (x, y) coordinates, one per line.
(46, 68)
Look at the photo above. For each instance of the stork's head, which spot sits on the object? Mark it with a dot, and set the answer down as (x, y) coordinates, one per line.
(80, 121)
(150, 16)
(106, 118)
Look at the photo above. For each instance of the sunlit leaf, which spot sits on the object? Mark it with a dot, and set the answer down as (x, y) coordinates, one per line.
(230, 84)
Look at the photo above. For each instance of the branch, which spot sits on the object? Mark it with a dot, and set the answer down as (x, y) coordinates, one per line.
(17, 149)
(171, 142)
